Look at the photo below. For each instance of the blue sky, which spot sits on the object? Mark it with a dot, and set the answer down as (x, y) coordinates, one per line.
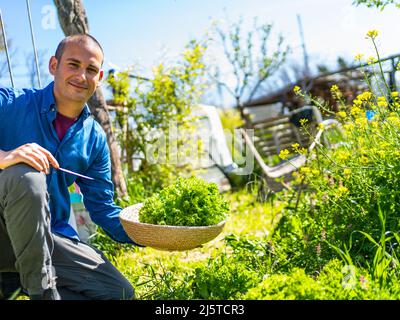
(139, 31)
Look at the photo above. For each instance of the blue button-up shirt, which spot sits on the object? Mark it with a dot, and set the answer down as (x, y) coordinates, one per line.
(26, 116)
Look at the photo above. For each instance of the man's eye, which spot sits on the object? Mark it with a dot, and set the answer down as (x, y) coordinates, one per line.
(92, 71)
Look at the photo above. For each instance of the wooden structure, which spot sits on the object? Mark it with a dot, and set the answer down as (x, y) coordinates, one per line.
(276, 134)
(349, 80)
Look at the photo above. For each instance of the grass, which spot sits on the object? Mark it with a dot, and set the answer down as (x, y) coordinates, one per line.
(159, 274)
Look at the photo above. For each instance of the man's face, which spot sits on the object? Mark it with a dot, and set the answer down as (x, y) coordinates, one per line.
(77, 74)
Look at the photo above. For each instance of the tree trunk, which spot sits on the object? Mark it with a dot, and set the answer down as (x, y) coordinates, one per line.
(73, 20)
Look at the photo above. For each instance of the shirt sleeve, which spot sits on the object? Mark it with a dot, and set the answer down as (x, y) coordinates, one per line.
(98, 197)
(6, 100)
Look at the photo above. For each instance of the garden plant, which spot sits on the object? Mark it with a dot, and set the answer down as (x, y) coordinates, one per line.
(332, 235)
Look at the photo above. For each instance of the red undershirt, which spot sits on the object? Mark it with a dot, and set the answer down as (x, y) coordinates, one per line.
(62, 124)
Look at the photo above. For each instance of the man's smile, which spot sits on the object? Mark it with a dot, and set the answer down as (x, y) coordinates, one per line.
(79, 86)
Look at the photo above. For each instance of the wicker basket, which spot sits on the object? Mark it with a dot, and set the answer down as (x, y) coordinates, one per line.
(164, 237)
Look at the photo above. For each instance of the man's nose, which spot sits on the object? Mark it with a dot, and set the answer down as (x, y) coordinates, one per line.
(82, 74)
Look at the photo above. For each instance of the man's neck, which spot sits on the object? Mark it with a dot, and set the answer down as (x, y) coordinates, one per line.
(70, 110)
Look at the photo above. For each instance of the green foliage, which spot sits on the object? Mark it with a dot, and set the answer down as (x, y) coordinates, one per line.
(230, 119)
(109, 247)
(223, 278)
(188, 202)
(334, 282)
(337, 237)
(379, 4)
(154, 121)
(296, 285)
(350, 208)
(249, 58)
(165, 282)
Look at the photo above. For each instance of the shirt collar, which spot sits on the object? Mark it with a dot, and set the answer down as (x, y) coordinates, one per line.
(49, 101)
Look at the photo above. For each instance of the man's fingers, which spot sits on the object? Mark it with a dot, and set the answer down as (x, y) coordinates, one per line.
(37, 157)
(33, 163)
(49, 156)
(41, 158)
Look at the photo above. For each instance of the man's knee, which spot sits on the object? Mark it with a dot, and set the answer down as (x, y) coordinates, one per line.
(23, 179)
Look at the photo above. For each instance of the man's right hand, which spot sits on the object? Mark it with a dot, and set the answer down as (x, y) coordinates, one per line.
(32, 154)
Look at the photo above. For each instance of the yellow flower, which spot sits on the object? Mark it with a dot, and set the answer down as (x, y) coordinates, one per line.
(284, 154)
(303, 122)
(303, 151)
(381, 153)
(336, 92)
(355, 111)
(305, 170)
(394, 94)
(296, 89)
(334, 88)
(382, 104)
(346, 171)
(372, 34)
(372, 60)
(358, 56)
(357, 102)
(394, 120)
(342, 190)
(297, 177)
(365, 96)
(295, 145)
(341, 114)
(364, 160)
(295, 174)
(348, 127)
(343, 155)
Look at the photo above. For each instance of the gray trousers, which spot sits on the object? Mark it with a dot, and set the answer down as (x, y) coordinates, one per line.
(45, 260)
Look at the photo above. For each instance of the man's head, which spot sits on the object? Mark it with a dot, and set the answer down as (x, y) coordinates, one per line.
(76, 67)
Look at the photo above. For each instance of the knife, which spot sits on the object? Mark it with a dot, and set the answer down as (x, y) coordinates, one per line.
(74, 173)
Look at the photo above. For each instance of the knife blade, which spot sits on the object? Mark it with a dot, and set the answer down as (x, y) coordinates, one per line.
(74, 173)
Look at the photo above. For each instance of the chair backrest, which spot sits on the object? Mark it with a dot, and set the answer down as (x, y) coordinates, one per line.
(275, 134)
(285, 168)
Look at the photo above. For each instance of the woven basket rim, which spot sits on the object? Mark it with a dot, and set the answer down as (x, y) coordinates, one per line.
(166, 237)
(136, 208)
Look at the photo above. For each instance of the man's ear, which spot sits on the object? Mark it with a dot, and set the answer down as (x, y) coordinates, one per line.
(100, 77)
(53, 65)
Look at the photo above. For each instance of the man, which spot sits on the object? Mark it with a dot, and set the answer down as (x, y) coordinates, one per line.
(41, 131)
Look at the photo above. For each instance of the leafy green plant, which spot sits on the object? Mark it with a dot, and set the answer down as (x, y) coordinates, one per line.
(335, 281)
(109, 247)
(188, 202)
(350, 187)
(223, 278)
